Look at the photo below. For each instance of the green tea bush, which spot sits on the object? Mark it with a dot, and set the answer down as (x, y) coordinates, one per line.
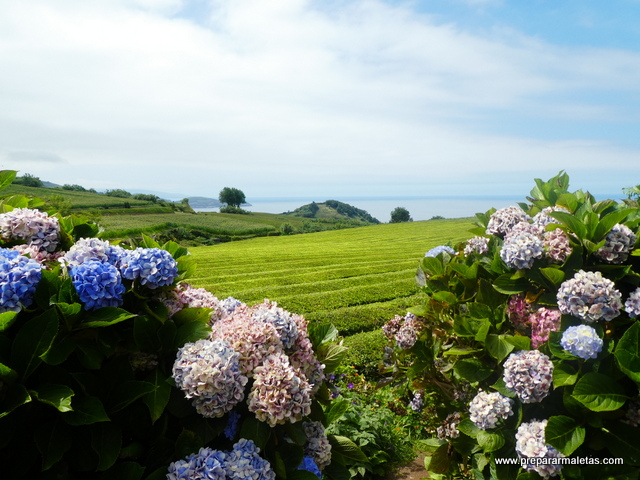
(365, 352)
(528, 336)
(112, 367)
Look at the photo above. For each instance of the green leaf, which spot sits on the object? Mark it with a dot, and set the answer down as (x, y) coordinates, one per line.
(53, 439)
(564, 374)
(610, 220)
(58, 396)
(15, 395)
(623, 442)
(445, 297)
(337, 409)
(128, 392)
(510, 286)
(301, 475)
(439, 461)
(6, 178)
(498, 347)
(554, 275)
(7, 319)
(490, 441)
(469, 428)
(124, 471)
(564, 434)
(187, 443)
(599, 393)
(627, 352)
(86, 410)
(32, 341)
(145, 333)
(7, 373)
(157, 400)
(60, 350)
(323, 333)
(104, 317)
(575, 225)
(347, 448)
(331, 356)
(191, 332)
(106, 441)
(253, 429)
(191, 314)
(472, 369)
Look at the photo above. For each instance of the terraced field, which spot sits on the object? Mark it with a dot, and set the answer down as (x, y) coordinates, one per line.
(356, 279)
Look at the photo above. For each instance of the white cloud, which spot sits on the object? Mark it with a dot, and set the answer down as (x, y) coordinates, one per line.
(282, 93)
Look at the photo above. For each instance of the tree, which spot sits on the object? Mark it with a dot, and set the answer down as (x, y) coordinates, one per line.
(28, 180)
(399, 215)
(231, 196)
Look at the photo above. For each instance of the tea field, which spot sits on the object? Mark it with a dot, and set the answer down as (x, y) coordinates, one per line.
(356, 279)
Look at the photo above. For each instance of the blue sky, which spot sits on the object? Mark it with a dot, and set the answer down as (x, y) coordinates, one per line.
(323, 99)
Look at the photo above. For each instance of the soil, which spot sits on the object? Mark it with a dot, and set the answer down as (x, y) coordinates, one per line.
(414, 471)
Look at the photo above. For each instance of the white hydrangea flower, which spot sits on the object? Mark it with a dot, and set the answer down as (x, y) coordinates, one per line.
(529, 374)
(488, 408)
(590, 297)
(503, 220)
(531, 443)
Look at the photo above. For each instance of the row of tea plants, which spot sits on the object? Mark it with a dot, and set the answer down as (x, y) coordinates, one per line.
(113, 366)
(529, 340)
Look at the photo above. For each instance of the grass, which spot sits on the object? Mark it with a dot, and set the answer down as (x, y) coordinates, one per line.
(356, 279)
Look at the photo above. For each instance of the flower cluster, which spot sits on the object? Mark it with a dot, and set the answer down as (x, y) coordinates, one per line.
(543, 321)
(479, 245)
(487, 409)
(449, 427)
(503, 220)
(310, 466)
(523, 244)
(186, 296)
(590, 297)
(543, 218)
(278, 395)
(317, 446)
(19, 277)
(632, 305)
(97, 284)
(528, 373)
(241, 463)
(618, 243)
(556, 245)
(87, 249)
(518, 311)
(281, 319)
(417, 402)
(582, 341)
(154, 267)
(34, 227)
(435, 251)
(404, 330)
(209, 372)
(531, 443)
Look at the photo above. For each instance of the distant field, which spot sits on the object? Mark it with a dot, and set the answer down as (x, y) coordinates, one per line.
(356, 279)
(79, 200)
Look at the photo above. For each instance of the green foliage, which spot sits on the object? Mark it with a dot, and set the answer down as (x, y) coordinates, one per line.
(365, 352)
(400, 214)
(117, 193)
(28, 180)
(468, 331)
(333, 209)
(232, 197)
(235, 210)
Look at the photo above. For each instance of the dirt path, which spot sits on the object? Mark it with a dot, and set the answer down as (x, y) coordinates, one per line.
(414, 471)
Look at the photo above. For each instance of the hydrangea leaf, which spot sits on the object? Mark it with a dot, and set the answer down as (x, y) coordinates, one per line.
(157, 400)
(6, 178)
(439, 460)
(490, 441)
(510, 286)
(106, 441)
(128, 392)
(191, 314)
(191, 332)
(105, 316)
(32, 341)
(564, 434)
(58, 396)
(253, 429)
(498, 346)
(623, 441)
(627, 352)
(554, 275)
(575, 225)
(599, 393)
(472, 370)
(347, 448)
(564, 374)
(53, 439)
(15, 395)
(86, 410)
(7, 319)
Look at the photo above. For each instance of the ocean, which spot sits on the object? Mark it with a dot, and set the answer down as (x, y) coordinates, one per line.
(420, 208)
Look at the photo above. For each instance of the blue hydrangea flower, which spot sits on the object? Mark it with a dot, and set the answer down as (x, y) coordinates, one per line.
(153, 266)
(231, 429)
(522, 246)
(19, 277)
(244, 462)
(93, 248)
(207, 464)
(98, 284)
(310, 466)
(435, 251)
(582, 341)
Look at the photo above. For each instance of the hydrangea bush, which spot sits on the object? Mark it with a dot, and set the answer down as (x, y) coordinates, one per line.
(528, 336)
(113, 367)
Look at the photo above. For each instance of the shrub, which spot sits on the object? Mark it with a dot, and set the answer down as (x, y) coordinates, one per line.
(236, 210)
(110, 367)
(365, 352)
(495, 340)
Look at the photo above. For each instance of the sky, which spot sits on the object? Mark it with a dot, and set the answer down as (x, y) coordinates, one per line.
(321, 98)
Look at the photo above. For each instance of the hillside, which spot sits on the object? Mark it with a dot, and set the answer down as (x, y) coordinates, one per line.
(333, 209)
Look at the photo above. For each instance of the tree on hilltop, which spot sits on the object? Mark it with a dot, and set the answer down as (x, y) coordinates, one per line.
(399, 215)
(232, 197)
(28, 180)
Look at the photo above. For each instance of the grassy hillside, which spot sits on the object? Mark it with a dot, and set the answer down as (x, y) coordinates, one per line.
(357, 278)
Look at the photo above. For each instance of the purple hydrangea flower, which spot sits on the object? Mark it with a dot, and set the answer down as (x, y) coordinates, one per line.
(590, 297)
(19, 277)
(528, 373)
(317, 446)
(556, 245)
(153, 266)
(487, 409)
(97, 284)
(31, 226)
(531, 443)
(632, 305)
(543, 321)
(503, 220)
(435, 251)
(518, 311)
(449, 427)
(543, 218)
(209, 372)
(417, 402)
(618, 243)
(523, 244)
(479, 245)
(280, 318)
(582, 341)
